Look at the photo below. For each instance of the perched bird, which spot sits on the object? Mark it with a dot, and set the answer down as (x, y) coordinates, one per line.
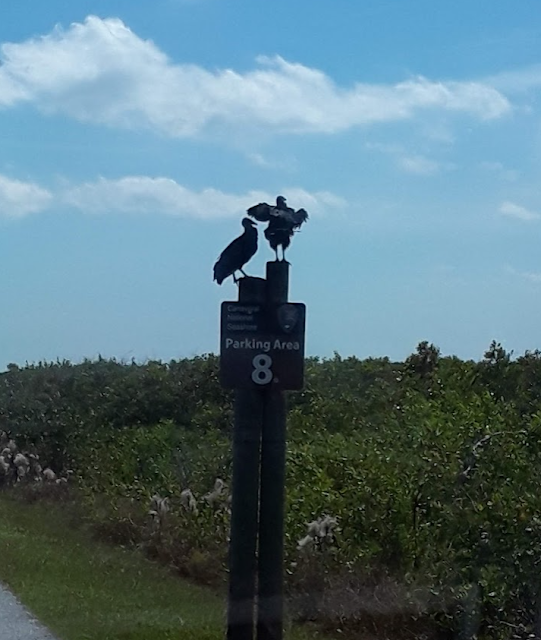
(237, 254)
(283, 222)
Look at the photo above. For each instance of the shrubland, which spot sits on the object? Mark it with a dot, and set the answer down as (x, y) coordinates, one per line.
(429, 470)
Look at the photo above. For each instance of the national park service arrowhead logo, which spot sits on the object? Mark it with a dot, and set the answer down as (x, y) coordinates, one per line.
(288, 317)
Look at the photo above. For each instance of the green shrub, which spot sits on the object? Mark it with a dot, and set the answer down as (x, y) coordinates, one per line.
(431, 466)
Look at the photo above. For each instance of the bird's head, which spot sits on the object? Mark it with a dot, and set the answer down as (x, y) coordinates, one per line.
(281, 202)
(248, 224)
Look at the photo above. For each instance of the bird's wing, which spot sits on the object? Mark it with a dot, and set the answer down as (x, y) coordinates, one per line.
(289, 216)
(236, 255)
(299, 217)
(234, 248)
(227, 260)
(276, 212)
(260, 212)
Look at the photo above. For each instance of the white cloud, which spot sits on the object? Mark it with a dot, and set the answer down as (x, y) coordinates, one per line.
(143, 194)
(151, 195)
(19, 198)
(284, 163)
(419, 165)
(516, 211)
(316, 203)
(416, 164)
(100, 71)
(531, 276)
(439, 133)
(260, 160)
(517, 80)
(511, 175)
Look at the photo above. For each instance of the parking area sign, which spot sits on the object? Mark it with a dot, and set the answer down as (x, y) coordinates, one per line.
(262, 345)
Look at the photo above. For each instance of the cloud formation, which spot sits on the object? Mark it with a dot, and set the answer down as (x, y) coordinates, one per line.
(419, 165)
(516, 211)
(517, 80)
(19, 198)
(144, 194)
(149, 195)
(497, 168)
(413, 163)
(100, 71)
(530, 276)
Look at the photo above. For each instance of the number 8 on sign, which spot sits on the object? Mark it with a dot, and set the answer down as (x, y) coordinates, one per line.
(262, 373)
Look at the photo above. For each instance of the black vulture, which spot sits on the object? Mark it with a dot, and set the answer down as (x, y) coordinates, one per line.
(283, 222)
(237, 254)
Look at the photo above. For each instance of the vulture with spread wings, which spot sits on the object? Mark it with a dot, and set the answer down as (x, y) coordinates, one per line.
(283, 222)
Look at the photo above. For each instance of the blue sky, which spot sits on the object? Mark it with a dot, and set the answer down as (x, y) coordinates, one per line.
(134, 135)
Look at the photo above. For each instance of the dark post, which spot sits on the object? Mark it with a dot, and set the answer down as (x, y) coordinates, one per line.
(277, 282)
(262, 341)
(272, 482)
(249, 406)
(271, 519)
(252, 290)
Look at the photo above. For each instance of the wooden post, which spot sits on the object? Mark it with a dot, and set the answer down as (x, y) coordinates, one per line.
(256, 549)
(249, 406)
(270, 618)
(271, 519)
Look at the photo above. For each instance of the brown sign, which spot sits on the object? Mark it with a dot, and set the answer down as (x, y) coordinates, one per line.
(262, 346)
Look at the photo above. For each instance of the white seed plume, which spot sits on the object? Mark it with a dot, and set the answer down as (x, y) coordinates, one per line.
(21, 461)
(158, 507)
(49, 475)
(216, 494)
(188, 501)
(4, 467)
(323, 528)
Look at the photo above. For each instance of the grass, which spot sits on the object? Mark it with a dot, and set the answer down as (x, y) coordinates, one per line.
(86, 590)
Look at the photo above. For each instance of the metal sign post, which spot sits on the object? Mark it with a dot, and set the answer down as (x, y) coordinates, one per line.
(261, 355)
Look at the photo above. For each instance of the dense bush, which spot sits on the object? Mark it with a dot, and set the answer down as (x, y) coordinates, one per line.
(431, 466)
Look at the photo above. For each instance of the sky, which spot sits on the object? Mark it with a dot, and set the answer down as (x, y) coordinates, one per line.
(134, 135)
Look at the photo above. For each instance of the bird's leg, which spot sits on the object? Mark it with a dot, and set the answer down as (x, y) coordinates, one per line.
(276, 252)
(235, 279)
(243, 273)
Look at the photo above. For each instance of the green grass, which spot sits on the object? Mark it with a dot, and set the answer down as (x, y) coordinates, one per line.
(85, 590)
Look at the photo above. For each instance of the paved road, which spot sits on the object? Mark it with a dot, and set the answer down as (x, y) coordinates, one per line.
(16, 623)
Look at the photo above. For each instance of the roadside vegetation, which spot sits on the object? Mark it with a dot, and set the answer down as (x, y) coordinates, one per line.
(413, 503)
(86, 590)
